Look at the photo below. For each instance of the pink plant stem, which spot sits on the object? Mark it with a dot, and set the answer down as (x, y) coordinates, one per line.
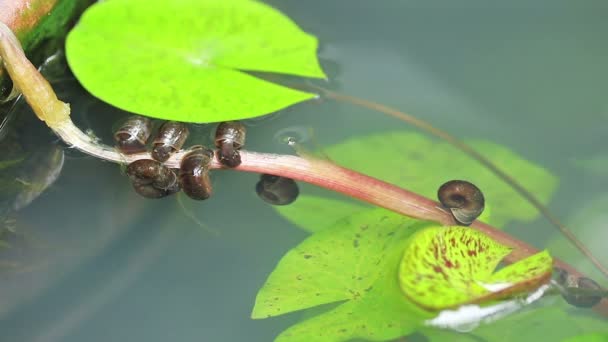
(374, 191)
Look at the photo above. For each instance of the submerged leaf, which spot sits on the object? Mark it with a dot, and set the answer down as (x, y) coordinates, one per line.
(448, 267)
(184, 60)
(420, 164)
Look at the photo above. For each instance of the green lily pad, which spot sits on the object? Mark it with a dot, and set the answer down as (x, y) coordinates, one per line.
(184, 60)
(594, 337)
(447, 267)
(420, 164)
(337, 264)
(381, 314)
(356, 262)
(315, 213)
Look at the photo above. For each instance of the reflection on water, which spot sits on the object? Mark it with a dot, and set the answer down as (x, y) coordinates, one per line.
(104, 264)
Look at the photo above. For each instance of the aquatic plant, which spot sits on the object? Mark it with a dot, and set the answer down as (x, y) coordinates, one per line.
(377, 308)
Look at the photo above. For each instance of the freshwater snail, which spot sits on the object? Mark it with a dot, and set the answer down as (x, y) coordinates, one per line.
(229, 138)
(277, 190)
(580, 292)
(194, 173)
(171, 137)
(152, 179)
(464, 200)
(133, 134)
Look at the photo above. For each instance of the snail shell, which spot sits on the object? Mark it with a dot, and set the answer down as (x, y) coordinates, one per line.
(229, 138)
(152, 179)
(464, 200)
(133, 134)
(277, 190)
(149, 191)
(171, 137)
(578, 292)
(194, 173)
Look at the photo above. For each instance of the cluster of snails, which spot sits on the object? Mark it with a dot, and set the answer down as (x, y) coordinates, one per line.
(152, 179)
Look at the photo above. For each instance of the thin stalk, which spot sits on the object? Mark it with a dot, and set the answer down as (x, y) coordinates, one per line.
(518, 187)
(323, 173)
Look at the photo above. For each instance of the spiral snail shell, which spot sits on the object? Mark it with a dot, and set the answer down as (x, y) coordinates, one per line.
(580, 292)
(229, 138)
(194, 173)
(464, 200)
(133, 134)
(277, 190)
(151, 179)
(171, 137)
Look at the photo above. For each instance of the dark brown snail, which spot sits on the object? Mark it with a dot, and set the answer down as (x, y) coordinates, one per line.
(580, 292)
(277, 190)
(229, 138)
(464, 200)
(152, 179)
(171, 137)
(133, 134)
(194, 173)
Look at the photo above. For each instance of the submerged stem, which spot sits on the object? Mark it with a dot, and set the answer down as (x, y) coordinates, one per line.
(322, 173)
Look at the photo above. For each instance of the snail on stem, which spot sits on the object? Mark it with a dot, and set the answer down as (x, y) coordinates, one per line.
(581, 292)
(194, 173)
(464, 200)
(133, 134)
(277, 190)
(152, 179)
(229, 138)
(171, 137)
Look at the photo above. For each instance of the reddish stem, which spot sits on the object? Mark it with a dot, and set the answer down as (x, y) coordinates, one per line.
(374, 191)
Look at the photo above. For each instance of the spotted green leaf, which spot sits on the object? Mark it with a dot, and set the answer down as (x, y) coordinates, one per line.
(448, 267)
(185, 59)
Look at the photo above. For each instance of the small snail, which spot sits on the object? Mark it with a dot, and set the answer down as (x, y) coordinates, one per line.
(580, 292)
(171, 137)
(464, 200)
(133, 134)
(152, 179)
(229, 138)
(194, 173)
(277, 190)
